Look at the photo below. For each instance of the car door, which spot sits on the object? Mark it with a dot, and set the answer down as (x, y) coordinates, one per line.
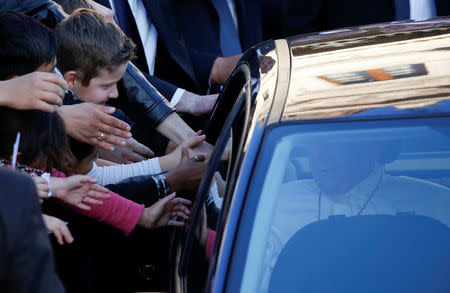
(190, 259)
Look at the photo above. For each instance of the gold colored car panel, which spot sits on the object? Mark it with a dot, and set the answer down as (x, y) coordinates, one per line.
(406, 70)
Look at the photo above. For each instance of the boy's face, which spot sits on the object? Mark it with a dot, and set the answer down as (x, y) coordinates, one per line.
(102, 87)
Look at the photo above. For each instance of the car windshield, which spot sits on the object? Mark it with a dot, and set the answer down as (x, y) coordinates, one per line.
(351, 206)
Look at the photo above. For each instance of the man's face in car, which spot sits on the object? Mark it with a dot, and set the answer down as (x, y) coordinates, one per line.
(339, 166)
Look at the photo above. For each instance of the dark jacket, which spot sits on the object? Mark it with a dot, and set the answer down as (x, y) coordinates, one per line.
(187, 49)
(286, 18)
(26, 260)
(143, 103)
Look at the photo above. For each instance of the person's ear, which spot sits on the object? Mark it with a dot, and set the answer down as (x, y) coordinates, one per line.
(71, 77)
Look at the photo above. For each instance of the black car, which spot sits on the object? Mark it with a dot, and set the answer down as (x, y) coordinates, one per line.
(331, 171)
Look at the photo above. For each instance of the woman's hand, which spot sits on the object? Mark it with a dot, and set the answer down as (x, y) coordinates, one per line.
(58, 228)
(162, 213)
(94, 125)
(38, 90)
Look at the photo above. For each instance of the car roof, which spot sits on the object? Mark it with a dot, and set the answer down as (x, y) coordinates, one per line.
(375, 71)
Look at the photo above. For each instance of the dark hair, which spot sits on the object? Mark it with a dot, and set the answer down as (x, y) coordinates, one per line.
(25, 44)
(87, 42)
(70, 6)
(81, 150)
(43, 138)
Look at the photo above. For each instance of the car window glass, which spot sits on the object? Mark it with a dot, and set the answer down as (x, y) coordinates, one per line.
(198, 258)
(339, 206)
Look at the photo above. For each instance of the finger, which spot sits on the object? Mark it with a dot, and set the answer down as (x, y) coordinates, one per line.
(170, 196)
(184, 154)
(54, 78)
(116, 124)
(44, 187)
(58, 236)
(195, 140)
(183, 209)
(113, 135)
(99, 194)
(200, 132)
(101, 189)
(181, 201)
(180, 215)
(135, 157)
(108, 138)
(87, 179)
(43, 106)
(175, 223)
(102, 144)
(143, 150)
(42, 194)
(51, 90)
(52, 98)
(66, 234)
(93, 201)
(199, 158)
(83, 207)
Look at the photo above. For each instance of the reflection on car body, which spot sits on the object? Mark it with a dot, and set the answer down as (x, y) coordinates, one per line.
(335, 161)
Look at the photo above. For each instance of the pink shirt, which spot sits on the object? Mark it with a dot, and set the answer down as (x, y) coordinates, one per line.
(117, 211)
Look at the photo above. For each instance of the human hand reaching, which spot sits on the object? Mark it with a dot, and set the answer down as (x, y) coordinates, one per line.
(132, 152)
(93, 124)
(187, 175)
(170, 161)
(37, 90)
(58, 228)
(196, 104)
(161, 214)
(78, 190)
(222, 68)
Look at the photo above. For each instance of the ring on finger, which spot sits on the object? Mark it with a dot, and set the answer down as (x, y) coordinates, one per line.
(196, 158)
(101, 136)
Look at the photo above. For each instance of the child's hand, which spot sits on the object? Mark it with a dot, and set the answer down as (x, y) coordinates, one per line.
(58, 228)
(161, 213)
(187, 175)
(78, 190)
(170, 161)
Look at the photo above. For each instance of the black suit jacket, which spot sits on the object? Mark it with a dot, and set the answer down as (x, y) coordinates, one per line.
(26, 260)
(189, 41)
(284, 18)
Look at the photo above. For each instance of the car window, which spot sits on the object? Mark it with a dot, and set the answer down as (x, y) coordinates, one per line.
(343, 207)
(209, 203)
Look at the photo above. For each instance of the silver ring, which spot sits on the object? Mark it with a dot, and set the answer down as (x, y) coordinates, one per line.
(100, 138)
(196, 158)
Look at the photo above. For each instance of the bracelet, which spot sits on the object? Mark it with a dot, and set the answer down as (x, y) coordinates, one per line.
(46, 176)
(162, 184)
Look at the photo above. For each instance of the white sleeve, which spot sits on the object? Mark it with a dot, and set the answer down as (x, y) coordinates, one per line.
(114, 174)
(177, 96)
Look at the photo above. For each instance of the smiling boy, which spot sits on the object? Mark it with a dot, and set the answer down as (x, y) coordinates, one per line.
(93, 55)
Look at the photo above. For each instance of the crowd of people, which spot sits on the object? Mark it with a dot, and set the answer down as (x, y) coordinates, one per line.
(100, 103)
